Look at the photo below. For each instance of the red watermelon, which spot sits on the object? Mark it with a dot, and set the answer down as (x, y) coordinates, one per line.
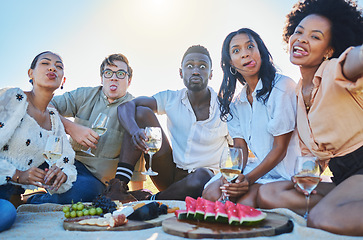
(221, 214)
(199, 209)
(209, 214)
(231, 210)
(249, 215)
(190, 205)
(181, 214)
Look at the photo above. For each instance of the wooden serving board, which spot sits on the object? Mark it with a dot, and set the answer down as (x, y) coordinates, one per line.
(71, 225)
(131, 225)
(274, 224)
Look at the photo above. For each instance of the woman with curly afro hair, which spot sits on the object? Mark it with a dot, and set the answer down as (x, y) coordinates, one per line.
(325, 40)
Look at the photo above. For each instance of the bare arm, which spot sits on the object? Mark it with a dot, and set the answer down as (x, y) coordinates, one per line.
(126, 115)
(81, 134)
(353, 65)
(274, 157)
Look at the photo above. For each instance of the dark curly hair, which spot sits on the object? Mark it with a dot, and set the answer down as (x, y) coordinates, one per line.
(344, 15)
(197, 49)
(266, 74)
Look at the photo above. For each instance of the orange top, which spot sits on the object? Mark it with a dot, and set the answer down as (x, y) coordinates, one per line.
(334, 125)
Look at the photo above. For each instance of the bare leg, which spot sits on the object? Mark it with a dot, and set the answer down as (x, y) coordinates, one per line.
(250, 198)
(136, 185)
(192, 185)
(341, 210)
(213, 192)
(282, 194)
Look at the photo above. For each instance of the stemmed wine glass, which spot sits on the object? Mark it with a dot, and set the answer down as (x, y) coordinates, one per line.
(307, 176)
(231, 165)
(99, 126)
(154, 143)
(53, 149)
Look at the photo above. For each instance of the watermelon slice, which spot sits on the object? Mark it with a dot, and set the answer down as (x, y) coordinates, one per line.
(209, 213)
(231, 210)
(190, 204)
(199, 209)
(249, 215)
(221, 214)
(181, 214)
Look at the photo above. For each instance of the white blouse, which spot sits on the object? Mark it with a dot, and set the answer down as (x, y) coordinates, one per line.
(23, 141)
(259, 123)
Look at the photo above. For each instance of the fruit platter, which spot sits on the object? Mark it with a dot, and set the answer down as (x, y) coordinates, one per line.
(106, 215)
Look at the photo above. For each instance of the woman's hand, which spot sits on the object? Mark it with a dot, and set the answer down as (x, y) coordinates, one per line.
(55, 177)
(32, 176)
(297, 188)
(138, 138)
(237, 188)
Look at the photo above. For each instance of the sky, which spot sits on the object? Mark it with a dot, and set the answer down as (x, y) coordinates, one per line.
(153, 34)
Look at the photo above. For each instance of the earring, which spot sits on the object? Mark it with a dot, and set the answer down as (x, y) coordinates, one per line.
(31, 81)
(61, 87)
(326, 57)
(235, 71)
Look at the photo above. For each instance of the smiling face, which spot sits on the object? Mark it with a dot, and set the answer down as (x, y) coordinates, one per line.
(245, 56)
(310, 43)
(48, 71)
(196, 71)
(113, 87)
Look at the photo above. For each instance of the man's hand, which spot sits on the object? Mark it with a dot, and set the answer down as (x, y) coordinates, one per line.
(83, 135)
(138, 139)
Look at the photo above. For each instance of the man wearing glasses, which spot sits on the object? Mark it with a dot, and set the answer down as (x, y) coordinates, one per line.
(84, 104)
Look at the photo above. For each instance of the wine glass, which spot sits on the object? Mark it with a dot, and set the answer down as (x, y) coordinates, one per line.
(154, 143)
(99, 126)
(53, 149)
(307, 176)
(231, 165)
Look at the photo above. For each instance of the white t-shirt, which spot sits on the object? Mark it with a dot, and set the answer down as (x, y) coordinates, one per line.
(195, 144)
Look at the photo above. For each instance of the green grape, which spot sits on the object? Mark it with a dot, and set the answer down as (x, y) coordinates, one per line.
(74, 207)
(80, 207)
(67, 214)
(73, 214)
(92, 211)
(79, 213)
(99, 211)
(66, 209)
(85, 212)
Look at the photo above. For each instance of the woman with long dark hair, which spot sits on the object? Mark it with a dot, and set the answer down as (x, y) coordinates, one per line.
(260, 119)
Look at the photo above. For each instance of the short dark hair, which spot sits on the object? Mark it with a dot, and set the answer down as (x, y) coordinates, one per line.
(197, 49)
(115, 57)
(266, 73)
(345, 17)
(36, 58)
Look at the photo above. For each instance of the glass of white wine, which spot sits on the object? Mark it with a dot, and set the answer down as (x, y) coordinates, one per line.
(53, 149)
(99, 126)
(230, 165)
(307, 176)
(154, 142)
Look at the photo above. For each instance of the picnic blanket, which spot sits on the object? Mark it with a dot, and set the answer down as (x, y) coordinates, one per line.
(46, 222)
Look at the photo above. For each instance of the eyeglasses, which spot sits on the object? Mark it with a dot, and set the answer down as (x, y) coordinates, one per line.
(120, 74)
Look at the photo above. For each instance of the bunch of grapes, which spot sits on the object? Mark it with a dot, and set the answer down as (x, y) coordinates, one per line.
(79, 210)
(106, 204)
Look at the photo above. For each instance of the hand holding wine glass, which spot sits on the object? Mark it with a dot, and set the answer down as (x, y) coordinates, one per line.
(99, 126)
(307, 176)
(154, 141)
(231, 165)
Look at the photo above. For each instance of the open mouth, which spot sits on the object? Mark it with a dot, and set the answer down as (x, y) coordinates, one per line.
(113, 87)
(299, 51)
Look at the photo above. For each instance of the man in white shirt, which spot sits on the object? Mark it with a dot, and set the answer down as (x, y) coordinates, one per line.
(196, 131)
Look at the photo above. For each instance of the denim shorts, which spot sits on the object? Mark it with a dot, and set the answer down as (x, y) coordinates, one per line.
(346, 166)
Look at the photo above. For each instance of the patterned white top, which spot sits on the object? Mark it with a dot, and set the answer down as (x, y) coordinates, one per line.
(23, 141)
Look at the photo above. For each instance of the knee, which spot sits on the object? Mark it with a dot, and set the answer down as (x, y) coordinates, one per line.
(143, 115)
(196, 182)
(266, 196)
(318, 218)
(8, 214)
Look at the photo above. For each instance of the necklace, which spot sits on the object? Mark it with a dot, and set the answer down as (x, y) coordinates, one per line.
(307, 96)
